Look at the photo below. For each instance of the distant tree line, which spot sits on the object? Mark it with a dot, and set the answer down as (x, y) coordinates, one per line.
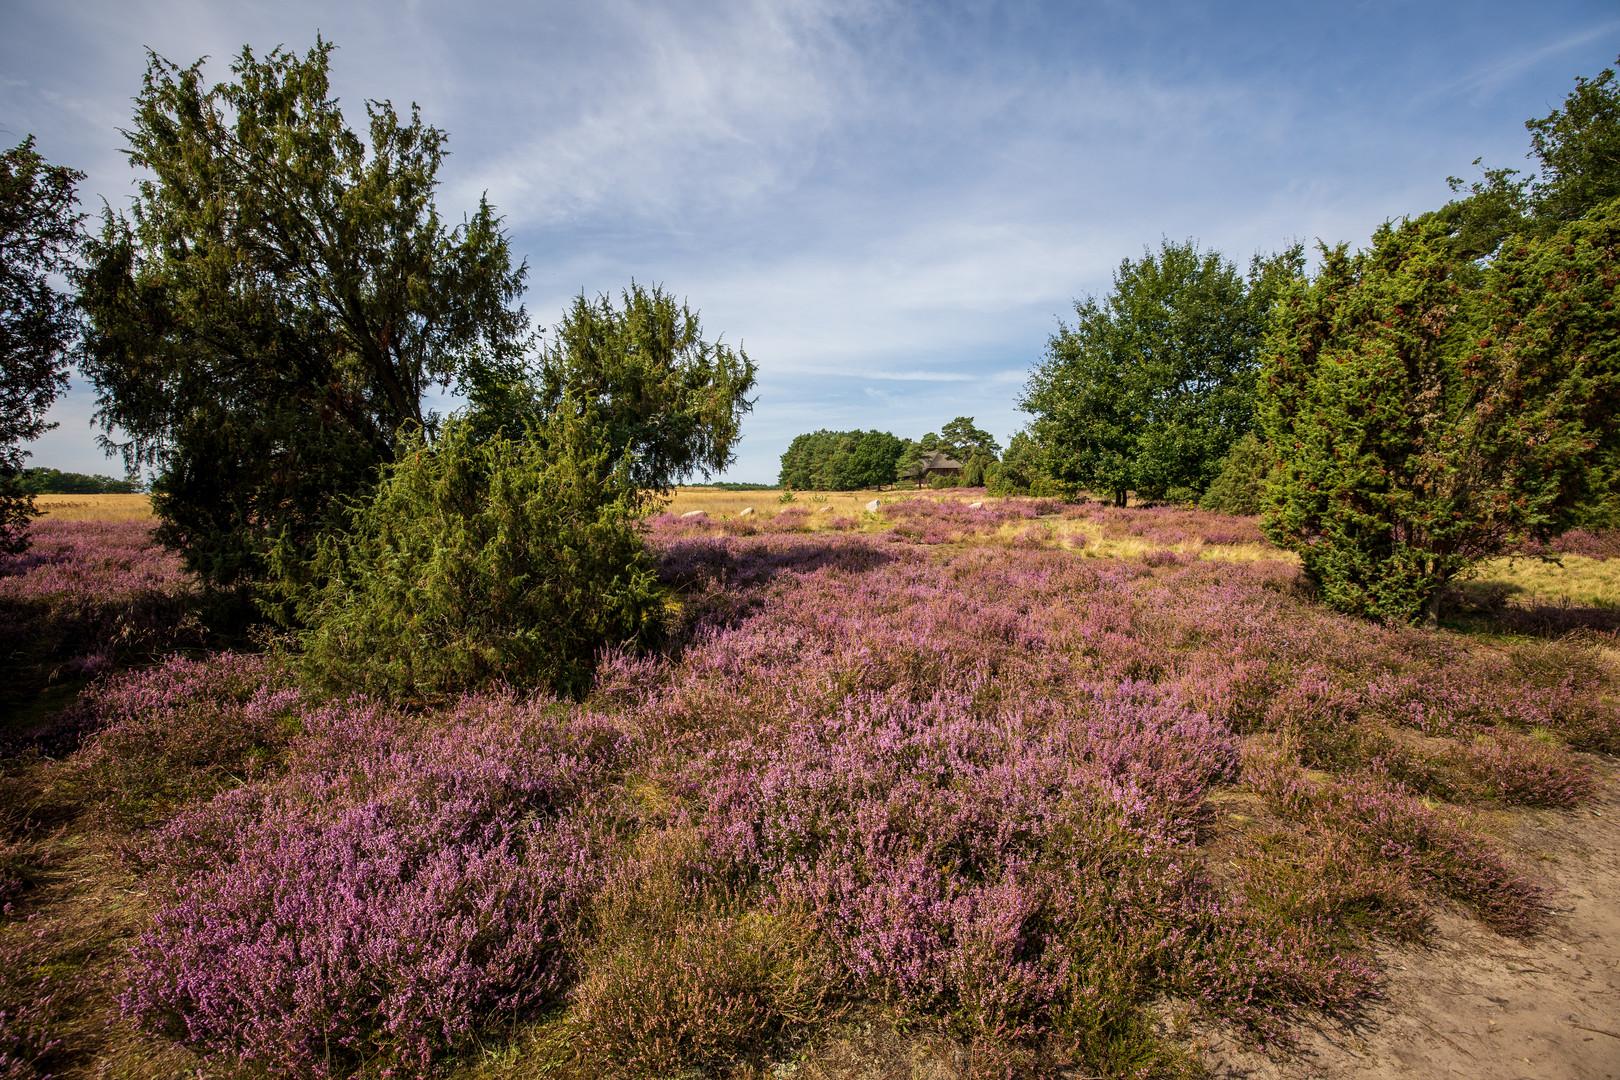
(1403, 412)
(859, 460)
(41, 481)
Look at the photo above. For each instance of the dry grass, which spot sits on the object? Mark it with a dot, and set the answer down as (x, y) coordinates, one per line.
(95, 507)
(1580, 581)
(720, 504)
(1091, 536)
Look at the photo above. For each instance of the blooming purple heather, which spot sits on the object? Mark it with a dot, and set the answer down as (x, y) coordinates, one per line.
(983, 777)
(88, 594)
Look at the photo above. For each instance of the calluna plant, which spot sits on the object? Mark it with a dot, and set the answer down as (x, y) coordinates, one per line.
(971, 785)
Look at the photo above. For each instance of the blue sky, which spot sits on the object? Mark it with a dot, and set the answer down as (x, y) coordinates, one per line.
(888, 204)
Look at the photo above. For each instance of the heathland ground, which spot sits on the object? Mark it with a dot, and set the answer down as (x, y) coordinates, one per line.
(1025, 788)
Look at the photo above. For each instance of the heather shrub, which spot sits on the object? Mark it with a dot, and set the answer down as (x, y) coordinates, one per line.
(404, 884)
(1524, 771)
(1017, 875)
(1325, 881)
(86, 596)
(1432, 850)
(501, 561)
(1593, 543)
(702, 991)
(184, 729)
(971, 786)
(30, 1030)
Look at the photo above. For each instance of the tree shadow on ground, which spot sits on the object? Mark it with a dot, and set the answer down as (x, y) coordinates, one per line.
(1493, 607)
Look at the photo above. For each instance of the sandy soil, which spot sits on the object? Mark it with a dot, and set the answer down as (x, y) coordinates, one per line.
(1471, 1004)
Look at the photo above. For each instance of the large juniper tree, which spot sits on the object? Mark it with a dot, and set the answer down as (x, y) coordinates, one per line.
(264, 324)
(1454, 388)
(39, 231)
(1424, 423)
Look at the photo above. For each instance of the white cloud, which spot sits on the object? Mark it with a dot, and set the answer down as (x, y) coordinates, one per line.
(889, 204)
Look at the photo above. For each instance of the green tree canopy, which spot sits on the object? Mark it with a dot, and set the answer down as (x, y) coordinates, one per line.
(962, 440)
(660, 400)
(1148, 389)
(1424, 425)
(39, 233)
(41, 481)
(1577, 149)
(265, 323)
(841, 460)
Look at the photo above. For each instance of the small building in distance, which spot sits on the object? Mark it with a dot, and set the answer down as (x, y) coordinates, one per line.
(936, 464)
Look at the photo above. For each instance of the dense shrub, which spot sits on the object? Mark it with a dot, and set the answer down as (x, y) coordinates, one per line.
(507, 560)
(1428, 418)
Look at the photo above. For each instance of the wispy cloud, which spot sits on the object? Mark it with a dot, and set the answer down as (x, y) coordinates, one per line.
(889, 203)
(1489, 78)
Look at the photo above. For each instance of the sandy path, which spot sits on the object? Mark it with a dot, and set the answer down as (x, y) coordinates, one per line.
(1474, 1005)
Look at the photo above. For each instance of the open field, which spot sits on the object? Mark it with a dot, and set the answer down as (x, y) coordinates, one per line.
(95, 507)
(1577, 580)
(1028, 789)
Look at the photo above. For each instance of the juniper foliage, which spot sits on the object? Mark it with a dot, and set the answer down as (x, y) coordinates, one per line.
(1425, 426)
(39, 233)
(478, 560)
(283, 294)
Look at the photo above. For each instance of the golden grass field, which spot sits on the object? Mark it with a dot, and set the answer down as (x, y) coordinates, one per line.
(721, 505)
(94, 507)
(1579, 582)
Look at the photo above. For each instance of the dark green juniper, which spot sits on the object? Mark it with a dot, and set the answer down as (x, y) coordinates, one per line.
(39, 232)
(1452, 390)
(1424, 425)
(268, 319)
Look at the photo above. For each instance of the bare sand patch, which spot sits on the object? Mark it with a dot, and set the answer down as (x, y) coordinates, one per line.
(1472, 1004)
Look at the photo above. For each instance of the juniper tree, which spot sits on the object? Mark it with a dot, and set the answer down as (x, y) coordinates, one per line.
(1425, 424)
(39, 233)
(265, 322)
